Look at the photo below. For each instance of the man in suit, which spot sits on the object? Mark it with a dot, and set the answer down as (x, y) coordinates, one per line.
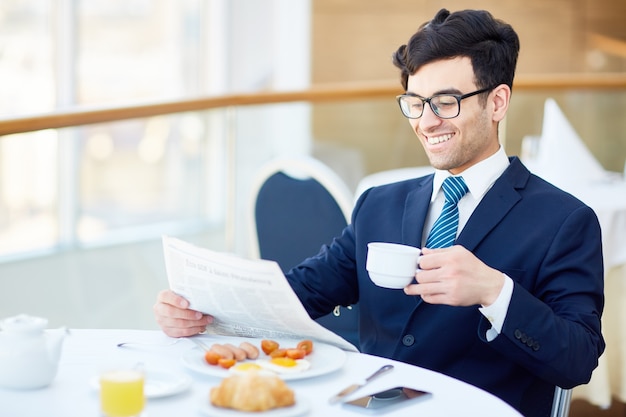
(514, 306)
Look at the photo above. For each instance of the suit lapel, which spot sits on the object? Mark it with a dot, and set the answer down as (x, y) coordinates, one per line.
(415, 211)
(414, 216)
(495, 205)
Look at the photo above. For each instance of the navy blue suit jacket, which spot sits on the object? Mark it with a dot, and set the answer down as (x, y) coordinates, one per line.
(546, 240)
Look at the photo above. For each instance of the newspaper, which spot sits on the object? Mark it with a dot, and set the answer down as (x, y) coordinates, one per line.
(249, 298)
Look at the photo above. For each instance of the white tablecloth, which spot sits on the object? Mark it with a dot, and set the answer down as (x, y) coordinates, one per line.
(86, 352)
(608, 200)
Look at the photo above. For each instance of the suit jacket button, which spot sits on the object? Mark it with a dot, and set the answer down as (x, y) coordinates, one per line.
(535, 346)
(517, 334)
(408, 340)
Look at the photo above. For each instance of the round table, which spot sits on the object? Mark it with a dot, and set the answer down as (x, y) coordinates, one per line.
(87, 352)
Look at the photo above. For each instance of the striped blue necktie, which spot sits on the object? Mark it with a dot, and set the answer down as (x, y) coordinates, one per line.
(443, 233)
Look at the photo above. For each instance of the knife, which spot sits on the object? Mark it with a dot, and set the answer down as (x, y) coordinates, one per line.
(350, 389)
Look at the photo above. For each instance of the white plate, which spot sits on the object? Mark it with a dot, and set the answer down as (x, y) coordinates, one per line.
(158, 383)
(299, 408)
(324, 359)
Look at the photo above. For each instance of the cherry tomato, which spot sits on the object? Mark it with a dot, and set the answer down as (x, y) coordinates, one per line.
(296, 353)
(306, 345)
(268, 346)
(226, 363)
(211, 357)
(278, 353)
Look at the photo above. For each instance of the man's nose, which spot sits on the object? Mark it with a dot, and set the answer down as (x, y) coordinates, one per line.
(429, 118)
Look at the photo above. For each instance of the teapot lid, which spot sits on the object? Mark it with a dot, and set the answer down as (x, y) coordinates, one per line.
(24, 323)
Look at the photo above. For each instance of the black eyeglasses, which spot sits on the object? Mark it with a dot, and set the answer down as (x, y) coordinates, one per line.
(445, 106)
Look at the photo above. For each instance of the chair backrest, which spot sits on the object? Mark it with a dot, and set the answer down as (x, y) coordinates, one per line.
(561, 402)
(297, 205)
(291, 195)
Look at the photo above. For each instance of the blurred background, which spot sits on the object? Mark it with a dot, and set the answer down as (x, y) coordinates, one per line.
(83, 209)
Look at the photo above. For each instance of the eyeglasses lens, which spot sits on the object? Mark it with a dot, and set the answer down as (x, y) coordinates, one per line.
(443, 106)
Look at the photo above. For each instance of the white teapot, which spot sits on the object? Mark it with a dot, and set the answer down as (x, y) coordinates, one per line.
(29, 354)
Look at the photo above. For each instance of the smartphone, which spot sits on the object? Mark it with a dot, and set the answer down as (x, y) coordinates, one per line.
(387, 400)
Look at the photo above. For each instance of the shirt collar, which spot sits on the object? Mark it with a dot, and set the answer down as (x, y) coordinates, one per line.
(479, 178)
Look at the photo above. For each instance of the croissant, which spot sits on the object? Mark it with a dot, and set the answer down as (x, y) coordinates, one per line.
(252, 392)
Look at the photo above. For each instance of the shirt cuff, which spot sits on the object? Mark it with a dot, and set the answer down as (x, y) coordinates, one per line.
(496, 312)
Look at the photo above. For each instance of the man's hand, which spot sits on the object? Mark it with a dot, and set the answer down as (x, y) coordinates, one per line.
(454, 276)
(172, 313)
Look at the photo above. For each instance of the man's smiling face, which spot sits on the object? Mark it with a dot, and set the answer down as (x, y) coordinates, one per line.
(458, 143)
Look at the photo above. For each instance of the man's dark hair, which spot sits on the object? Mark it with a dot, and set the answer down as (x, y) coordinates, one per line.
(491, 44)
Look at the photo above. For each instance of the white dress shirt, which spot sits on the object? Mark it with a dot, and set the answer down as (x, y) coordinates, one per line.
(479, 179)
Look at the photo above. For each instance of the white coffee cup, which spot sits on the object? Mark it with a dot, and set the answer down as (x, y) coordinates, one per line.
(392, 265)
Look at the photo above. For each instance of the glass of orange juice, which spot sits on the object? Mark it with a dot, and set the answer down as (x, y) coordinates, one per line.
(121, 393)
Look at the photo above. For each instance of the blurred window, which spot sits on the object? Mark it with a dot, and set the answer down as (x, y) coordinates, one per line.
(95, 183)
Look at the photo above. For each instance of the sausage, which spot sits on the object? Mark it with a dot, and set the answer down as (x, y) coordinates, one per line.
(251, 351)
(223, 351)
(239, 353)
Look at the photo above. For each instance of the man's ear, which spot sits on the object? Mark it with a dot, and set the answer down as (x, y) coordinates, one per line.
(501, 98)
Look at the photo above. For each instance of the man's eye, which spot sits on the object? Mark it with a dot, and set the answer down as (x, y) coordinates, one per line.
(446, 101)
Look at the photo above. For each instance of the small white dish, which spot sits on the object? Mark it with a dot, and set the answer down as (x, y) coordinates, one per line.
(158, 383)
(301, 407)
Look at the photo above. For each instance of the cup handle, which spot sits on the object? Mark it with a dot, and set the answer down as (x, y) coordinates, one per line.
(418, 269)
